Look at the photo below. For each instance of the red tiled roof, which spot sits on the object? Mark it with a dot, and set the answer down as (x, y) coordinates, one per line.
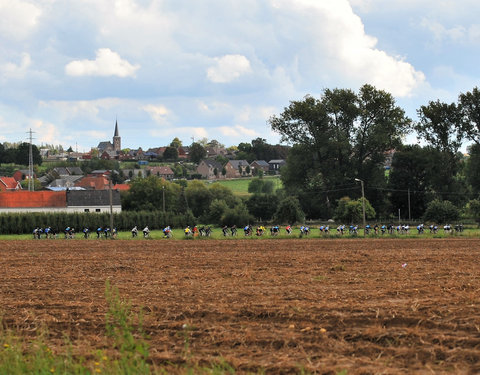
(121, 187)
(97, 183)
(9, 183)
(18, 199)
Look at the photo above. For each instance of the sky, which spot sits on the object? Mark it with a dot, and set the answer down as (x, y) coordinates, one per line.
(217, 69)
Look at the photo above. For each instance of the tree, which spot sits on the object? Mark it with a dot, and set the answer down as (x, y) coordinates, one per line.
(21, 154)
(262, 206)
(338, 137)
(410, 171)
(289, 211)
(176, 143)
(198, 197)
(170, 153)
(469, 107)
(439, 125)
(472, 169)
(255, 185)
(146, 194)
(223, 193)
(351, 211)
(441, 212)
(197, 152)
(216, 211)
(473, 208)
(236, 216)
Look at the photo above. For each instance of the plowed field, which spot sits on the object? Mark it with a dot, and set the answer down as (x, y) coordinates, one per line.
(365, 306)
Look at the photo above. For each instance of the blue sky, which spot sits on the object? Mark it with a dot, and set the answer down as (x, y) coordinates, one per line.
(217, 69)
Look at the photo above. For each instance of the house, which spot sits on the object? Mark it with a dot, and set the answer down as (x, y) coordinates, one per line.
(108, 155)
(9, 184)
(134, 173)
(237, 168)
(275, 165)
(74, 171)
(164, 172)
(93, 201)
(210, 169)
(22, 174)
(183, 152)
(64, 182)
(32, 201)
(60, 171)
(94, 182)
(60, 201)
(259, 165)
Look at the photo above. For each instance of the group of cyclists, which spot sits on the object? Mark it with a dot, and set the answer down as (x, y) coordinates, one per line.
(248, 230)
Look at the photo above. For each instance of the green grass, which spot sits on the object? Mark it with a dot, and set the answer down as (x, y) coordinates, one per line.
(178, 234)
(239, 186)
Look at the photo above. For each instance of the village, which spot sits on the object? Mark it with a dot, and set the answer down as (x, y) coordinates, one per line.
(71, 189)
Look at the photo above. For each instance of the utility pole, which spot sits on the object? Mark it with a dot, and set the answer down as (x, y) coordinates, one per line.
(163, 200)
(409, 212)
(363, 205)
(31, 185)
(111, 203)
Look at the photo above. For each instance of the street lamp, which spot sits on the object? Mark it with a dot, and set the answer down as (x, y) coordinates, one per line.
(363, 205)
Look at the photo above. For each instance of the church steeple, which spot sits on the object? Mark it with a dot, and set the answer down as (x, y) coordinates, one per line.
(116, 139)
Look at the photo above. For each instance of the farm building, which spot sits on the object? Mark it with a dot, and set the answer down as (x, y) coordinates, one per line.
(59, 201)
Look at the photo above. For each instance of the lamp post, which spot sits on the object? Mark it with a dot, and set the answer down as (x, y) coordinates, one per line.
(363, 205)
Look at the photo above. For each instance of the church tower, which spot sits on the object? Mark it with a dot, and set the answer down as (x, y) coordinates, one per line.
(117, 143)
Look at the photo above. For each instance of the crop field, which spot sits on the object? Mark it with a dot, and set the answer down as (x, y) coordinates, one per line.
(340, 306)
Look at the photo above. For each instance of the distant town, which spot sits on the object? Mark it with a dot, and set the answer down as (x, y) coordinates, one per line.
(64, 170)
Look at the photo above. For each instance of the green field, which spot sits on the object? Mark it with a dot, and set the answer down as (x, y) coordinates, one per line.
(239, 186)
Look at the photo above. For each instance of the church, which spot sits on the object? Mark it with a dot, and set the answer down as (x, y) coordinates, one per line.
(113, 148)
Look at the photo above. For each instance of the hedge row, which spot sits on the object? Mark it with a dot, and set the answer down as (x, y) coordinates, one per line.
(22, 223)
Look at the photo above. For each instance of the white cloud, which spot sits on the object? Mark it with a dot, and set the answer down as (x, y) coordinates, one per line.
(228, 68)
(107, 63)
(97, 134)
(183, 132)
(159, 113)
(19, 18)
(46, 132)
(340, 44)
(237, 131)
(12, 70)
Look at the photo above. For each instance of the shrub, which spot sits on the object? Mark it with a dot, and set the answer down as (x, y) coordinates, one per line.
(289, 211)
(441, 212)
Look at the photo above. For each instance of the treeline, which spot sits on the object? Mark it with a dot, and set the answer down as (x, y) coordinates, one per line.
(21, 223)
(19, 153)
(345, 137)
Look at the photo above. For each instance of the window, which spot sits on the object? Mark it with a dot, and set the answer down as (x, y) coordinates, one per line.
(97, 210)
(86, 210)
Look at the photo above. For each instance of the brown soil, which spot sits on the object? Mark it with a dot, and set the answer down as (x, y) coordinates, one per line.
(277, 305)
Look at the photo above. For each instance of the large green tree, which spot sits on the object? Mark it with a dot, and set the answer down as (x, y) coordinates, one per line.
(341, 136)
(197, 152)
(440, 126)
(469, 108)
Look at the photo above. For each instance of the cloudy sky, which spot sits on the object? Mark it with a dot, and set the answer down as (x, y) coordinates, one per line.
(217, 68)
